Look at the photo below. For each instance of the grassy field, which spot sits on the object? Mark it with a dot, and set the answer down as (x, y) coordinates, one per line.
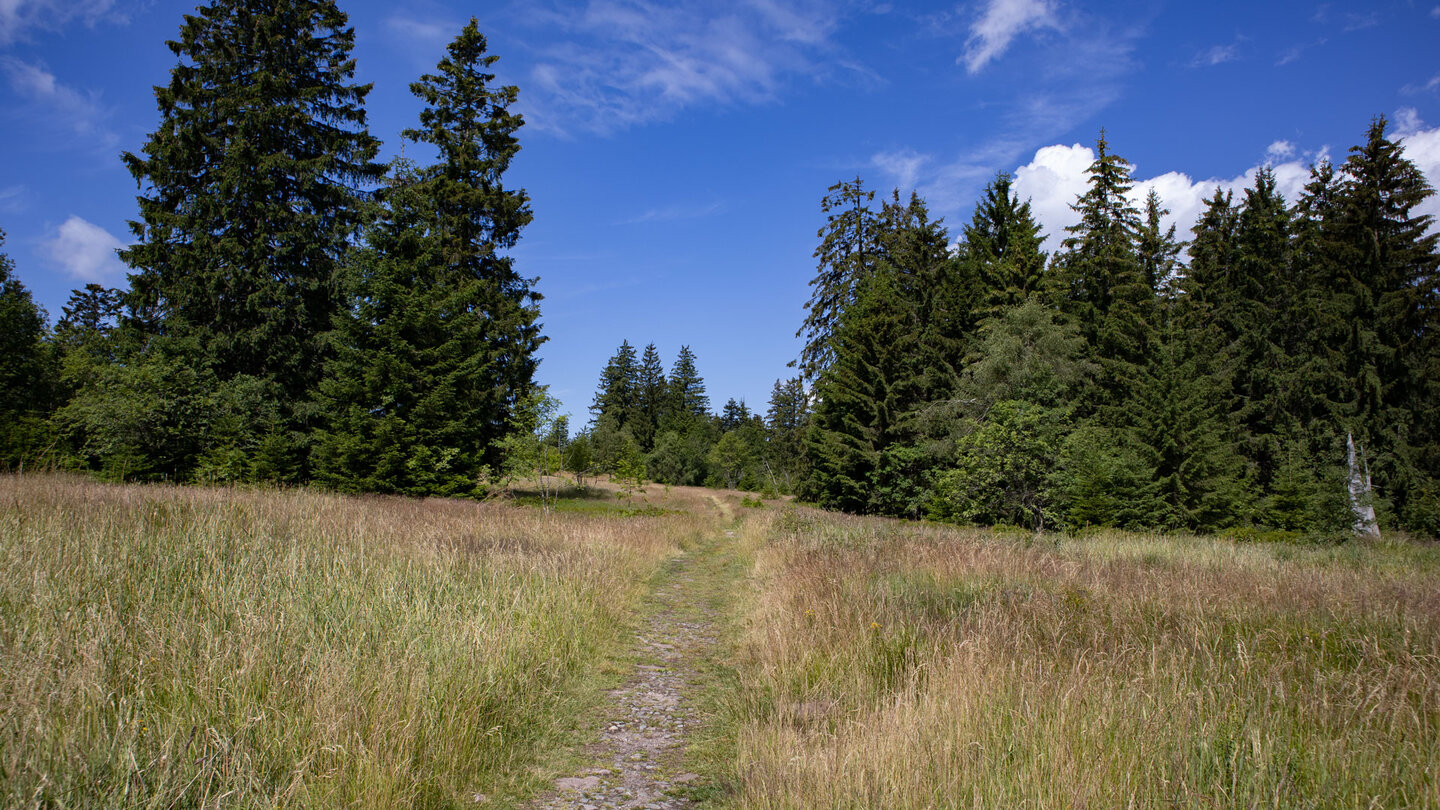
(189, 647)
(895, 665)
(186, 647)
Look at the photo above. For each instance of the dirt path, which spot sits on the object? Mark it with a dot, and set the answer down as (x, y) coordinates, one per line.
(637, 761)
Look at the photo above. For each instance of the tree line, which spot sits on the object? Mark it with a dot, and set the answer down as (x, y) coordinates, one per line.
(297, 311)
(659, 427)
(1125, 381)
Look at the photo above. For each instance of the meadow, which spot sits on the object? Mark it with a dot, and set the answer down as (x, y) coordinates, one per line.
(884, 664)
(211, 647)
(190, 647)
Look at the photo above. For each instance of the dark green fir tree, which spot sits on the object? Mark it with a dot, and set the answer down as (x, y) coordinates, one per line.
(251, 193)
(27, 372)
(846, 256)
(1001, 246)
(437, 354)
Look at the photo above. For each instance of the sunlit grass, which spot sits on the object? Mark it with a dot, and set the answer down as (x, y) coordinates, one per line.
(897, 665)
(165, 647)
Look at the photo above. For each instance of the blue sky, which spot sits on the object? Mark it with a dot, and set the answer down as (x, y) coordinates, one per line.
(676, 153)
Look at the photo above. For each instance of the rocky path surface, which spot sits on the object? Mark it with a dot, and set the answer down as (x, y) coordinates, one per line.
(637, 761)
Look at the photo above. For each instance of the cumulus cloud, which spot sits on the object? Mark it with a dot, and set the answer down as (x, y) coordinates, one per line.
(1002, 21)
(1056, 176)
(1052, 181)
(18, 17)
(620, 63)
(1280, 150)
(1423, 147)
(85, 251)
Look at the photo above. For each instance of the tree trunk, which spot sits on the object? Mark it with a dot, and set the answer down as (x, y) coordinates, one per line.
(1360, 506)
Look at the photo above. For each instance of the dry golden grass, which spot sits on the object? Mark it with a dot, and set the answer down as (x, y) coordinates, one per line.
(897, 665)
(187, 647)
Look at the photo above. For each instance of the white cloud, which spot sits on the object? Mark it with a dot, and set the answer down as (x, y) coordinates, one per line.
(1406, 121)
(1428, 87)
(12, 199)
(17, 17)
(629, 62)
(1051, 182)
(1423, 147)
(903, 165)
(1294, 52)
(1215, 55)
(1002, 21)
(80, 114)
(1279, 150)
(424, 32)
(1057, 175)
(86, 251)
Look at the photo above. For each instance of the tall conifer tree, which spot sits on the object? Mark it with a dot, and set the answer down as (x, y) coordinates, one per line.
(1159, 249)
(846, 256)
(687, 391)
(26, 368)
(1099, 277)
(618, 395)
(251, 191)
(1384, 268)
(651, 398)
(1001, 245)
(438, 353)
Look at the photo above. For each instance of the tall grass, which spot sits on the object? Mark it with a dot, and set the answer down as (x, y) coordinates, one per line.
(183, 647)
(893, 665)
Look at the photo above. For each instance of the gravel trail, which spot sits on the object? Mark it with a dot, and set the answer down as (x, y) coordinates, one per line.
(635, 763)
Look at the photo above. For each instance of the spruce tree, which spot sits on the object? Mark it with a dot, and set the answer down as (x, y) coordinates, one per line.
(858, 448)
(88, 320)
(652, 398)
(897, 344)
(1212, 254)
(687, 392)
(251, 193)
(437, 350)
(1159, 249)
(786, 420)
(26, 368)
(1099, 279)
(87, 340)
(735, 415)
(1180, 424)
(1260, 320)
(1384, 270)
(846, 256)
(1001, 246)
(618, 394)
(937, 293)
